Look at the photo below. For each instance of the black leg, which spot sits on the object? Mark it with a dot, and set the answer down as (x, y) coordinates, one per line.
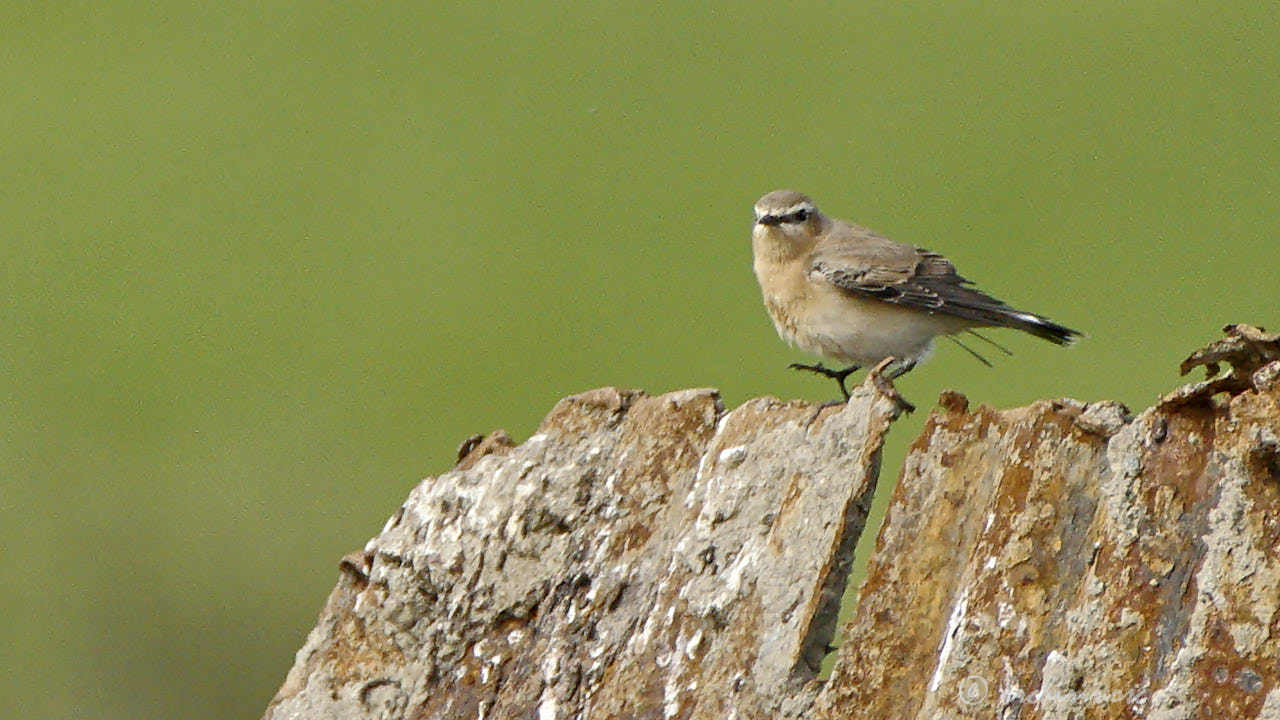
(837, 375)
(900, 368)
(884, 374)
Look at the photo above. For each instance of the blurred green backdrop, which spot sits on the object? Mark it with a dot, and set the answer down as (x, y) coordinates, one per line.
(266, 264)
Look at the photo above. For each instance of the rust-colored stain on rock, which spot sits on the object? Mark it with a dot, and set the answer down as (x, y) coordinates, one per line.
(1096, 564)
(657, 557)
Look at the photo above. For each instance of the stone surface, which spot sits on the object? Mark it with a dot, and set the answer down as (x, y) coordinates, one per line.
(638, 557)
(655, 557)
(1067, 561)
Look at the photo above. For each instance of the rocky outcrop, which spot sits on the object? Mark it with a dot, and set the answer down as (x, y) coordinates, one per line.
(656, 557)
(637, 557)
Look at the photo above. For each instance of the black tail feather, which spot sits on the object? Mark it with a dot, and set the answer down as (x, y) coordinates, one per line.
(1041, 327)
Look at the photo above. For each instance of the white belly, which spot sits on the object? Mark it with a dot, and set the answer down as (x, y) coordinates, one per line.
(852, 330)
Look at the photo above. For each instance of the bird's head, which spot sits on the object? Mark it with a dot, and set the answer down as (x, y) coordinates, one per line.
(787, 216)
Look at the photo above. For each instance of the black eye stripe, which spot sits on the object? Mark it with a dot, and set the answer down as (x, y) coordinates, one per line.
(795, 216)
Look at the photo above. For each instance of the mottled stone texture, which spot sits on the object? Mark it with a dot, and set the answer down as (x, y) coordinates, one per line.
(1068, 561)
(653, 557)
(638, 557)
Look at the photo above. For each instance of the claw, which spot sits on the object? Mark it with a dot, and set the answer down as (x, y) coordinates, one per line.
(837, 375)
(883, 376)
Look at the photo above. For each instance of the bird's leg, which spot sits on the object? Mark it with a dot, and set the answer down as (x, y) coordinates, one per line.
(900, 368)
(885, 373)
(837, 375)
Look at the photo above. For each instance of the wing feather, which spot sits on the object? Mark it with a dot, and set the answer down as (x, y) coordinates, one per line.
(865, 264)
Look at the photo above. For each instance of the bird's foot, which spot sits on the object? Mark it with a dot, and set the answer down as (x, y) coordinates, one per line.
(837, 375)
(885, 373)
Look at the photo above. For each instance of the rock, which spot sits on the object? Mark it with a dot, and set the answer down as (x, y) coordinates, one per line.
(637, 557)
(656, 557)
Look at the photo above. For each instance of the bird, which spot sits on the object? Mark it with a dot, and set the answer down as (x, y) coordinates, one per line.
(850, 295)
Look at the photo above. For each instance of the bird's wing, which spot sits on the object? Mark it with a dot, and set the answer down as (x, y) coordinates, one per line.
(863, 263)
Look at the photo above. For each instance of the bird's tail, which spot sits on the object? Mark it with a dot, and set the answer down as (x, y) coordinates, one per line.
(1041, 327)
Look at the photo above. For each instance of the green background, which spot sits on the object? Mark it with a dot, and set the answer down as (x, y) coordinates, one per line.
(264, 265)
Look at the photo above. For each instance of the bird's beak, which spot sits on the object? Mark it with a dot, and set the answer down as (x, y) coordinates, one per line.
(768, 220)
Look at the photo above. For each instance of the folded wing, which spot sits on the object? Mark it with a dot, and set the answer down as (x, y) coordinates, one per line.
(863, 263)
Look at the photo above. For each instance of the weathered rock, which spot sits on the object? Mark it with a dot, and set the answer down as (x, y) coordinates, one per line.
(646, 557)
(1247, 349)
(1067, 561)
(639, 557)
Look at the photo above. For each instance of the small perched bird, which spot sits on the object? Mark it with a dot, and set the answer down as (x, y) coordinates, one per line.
(849, 295)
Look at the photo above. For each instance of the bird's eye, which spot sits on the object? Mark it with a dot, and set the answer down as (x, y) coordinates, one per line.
(800, 215)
